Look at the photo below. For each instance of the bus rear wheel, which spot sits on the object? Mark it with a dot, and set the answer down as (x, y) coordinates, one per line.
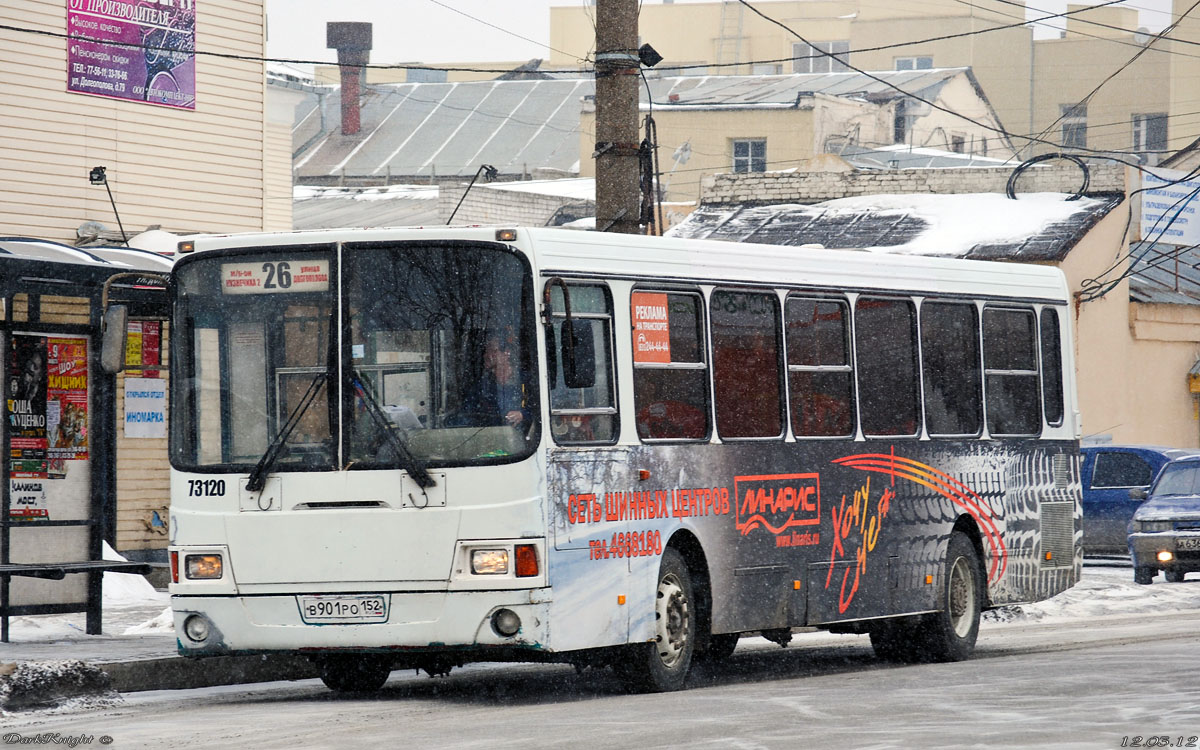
(949, 635)
(353, 673)
(662, 664)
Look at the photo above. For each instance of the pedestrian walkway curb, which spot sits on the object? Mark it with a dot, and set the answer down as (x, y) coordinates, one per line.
(178, 673)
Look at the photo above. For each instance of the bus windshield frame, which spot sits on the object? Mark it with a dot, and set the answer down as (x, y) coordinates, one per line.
(431, 362)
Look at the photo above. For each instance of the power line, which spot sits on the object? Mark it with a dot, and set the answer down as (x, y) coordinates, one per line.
(497, 28)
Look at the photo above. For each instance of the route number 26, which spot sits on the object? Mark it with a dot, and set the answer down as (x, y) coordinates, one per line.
(279, 275)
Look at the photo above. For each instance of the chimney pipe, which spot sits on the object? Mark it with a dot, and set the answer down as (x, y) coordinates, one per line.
(352, 40)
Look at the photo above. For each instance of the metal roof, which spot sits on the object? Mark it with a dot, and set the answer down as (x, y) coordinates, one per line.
(394, 206)
(1165, 273)
(883, 228)
(900, 156)
(449, 129)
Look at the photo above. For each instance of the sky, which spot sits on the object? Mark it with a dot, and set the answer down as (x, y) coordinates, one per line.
(431, 31)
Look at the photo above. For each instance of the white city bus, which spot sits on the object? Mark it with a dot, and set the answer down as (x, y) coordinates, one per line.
(425, 447)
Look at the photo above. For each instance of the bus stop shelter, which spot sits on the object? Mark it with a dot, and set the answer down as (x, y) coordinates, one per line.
(58, 500)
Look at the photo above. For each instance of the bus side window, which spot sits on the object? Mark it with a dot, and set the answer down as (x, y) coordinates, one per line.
(670, 374)
(1010, 371)
(820, 375)
(582, 415)
(885, 345)
(1052, 374)
(950, 364)
(746, 381)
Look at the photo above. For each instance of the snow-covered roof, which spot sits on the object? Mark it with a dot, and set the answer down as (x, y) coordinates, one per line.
(394, 205)
(989, 226)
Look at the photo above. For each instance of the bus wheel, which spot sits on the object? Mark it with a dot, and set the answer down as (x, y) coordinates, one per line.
(1174, 576)
(662, 664)
(1143, 574)
(347, 673)
(950, 635)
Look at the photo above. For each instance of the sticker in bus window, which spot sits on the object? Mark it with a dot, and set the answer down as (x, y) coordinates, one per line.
(651, 332)
(275, 277)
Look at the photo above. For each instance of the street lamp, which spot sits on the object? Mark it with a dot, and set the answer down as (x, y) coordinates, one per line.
(98, 176)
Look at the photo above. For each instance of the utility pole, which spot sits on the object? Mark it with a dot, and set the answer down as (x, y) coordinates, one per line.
(618, 205)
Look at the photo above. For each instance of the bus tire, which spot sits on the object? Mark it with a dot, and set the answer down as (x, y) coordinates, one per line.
(662, 664)
(1174, 576)
(949, 635)
(352, 673)
(1143, 574)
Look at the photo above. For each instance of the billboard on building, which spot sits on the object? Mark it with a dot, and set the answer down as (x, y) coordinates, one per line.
(136, 50)
(1169, 204)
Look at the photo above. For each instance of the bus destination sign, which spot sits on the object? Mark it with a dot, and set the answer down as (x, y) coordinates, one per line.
(275, 277)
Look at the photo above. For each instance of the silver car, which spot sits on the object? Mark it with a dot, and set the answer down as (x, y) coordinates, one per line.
(1165, 531)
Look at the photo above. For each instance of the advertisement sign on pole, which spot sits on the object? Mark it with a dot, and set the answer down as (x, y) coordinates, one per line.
(133, 50)
(145, 408)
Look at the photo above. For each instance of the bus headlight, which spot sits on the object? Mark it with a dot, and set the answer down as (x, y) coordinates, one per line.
(202, 567)
(489, 562)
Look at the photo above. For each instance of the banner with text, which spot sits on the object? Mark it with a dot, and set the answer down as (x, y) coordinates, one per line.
(137, 50)
(1169, 207)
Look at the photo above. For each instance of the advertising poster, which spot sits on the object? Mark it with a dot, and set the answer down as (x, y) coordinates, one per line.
(67, 400)
(143, 349)
(145, 408)
(25, 407)
(27, 499)
(651, 329)
(136, 50)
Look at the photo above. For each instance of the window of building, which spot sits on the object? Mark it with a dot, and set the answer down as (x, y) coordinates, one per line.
(670, 374)
(1011, 372)
(583, 415)
(950, 363)
(747, 387)
(1074, 125)
(914, 63)
(1150, 132)
(809, 59)
(750, 155)
(958, 144)
(820, 376)
(885, 347)
(1052, 372)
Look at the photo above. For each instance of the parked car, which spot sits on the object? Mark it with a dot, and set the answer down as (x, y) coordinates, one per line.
(1165, 531)
(1108, 473)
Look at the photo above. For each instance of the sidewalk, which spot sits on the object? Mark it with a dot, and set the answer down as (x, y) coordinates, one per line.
(137, 650)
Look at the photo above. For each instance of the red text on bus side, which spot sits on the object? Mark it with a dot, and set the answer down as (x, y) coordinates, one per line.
(777, 502)
(864, 523)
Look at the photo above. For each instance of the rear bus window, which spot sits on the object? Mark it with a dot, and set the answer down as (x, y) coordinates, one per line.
(670, 374)
(746, 380)
(1010, 372)
(820, 376)
(885, 345)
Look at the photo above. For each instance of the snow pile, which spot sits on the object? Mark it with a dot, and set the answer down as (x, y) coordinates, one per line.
(1105, 591)
(164, 624)
(45, 684)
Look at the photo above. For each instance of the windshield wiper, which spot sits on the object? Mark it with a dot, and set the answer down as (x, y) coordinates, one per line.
(381, 420)
(258, 477)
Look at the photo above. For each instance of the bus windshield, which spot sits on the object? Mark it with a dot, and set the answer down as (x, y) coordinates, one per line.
(435, 365)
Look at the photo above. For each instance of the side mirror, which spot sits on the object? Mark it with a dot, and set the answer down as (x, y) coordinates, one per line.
(579, 353)
(1138, 493)
(112, 341)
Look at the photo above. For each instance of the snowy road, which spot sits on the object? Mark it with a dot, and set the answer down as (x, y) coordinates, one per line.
(1089, 671)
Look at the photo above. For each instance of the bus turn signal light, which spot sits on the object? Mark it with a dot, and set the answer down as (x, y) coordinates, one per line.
(174, 567)
(527, 562)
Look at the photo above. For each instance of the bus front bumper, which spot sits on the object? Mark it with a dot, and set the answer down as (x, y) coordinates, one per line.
(410, 622)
